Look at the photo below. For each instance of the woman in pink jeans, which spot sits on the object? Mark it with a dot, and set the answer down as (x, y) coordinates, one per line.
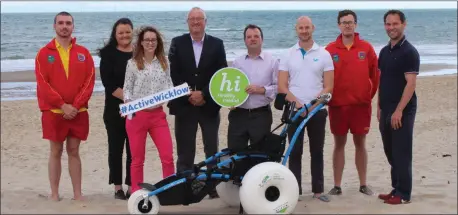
(148, 72)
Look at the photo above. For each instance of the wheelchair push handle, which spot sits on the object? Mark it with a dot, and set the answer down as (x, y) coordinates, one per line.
(323, 99)
(289, 107)
(281, 102)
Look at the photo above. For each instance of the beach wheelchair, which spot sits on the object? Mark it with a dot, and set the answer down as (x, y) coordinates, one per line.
(254, 178)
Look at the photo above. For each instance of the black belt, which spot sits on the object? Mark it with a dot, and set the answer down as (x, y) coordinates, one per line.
(263, 108)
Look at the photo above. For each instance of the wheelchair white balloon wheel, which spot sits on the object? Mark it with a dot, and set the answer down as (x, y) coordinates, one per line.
(269, 188)
(229, 193)
(135, 203)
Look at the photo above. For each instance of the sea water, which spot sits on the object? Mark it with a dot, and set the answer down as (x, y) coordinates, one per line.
(432, 32)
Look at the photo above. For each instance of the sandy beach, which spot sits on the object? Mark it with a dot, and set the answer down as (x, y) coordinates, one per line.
(24, 157)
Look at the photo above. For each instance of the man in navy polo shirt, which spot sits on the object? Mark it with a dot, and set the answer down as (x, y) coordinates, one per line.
(399, 64)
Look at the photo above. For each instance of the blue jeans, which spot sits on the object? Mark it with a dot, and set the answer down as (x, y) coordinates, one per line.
(398, 150)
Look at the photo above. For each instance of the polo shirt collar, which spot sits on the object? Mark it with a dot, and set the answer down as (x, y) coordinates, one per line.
(315, 46)
(399, 44)
(55, 45)
(58, 45)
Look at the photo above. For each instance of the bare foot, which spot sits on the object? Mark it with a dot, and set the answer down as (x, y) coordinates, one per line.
(79, 198)
(54, 198)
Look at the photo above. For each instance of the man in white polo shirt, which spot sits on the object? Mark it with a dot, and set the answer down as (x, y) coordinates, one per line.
(306, 71)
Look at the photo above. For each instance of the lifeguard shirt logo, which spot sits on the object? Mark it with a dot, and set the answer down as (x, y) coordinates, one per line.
(335, 58)
(361, 55)
(51, 59)
(81, 57)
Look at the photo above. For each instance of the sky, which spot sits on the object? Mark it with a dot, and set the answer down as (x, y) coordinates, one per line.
(108, 6)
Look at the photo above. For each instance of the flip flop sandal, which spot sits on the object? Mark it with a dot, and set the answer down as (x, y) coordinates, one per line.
(323, 198)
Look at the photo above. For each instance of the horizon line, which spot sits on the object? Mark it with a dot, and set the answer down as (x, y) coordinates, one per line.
(227, 10)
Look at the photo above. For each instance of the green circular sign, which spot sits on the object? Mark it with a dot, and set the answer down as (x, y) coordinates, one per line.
(227, 87)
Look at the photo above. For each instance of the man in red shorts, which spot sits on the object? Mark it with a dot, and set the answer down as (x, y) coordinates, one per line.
(356, 79)
(65, 81)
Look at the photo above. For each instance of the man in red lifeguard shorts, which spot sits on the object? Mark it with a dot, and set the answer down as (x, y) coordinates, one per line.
(356, 79)
(65, 81)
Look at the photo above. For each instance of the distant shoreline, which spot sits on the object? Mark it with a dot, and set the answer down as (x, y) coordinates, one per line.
(29, 75)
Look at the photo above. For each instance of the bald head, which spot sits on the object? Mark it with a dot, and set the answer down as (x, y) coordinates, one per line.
(304, 20)
(304, 28)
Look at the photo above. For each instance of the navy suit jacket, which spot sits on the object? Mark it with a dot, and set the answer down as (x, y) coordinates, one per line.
(183, 69)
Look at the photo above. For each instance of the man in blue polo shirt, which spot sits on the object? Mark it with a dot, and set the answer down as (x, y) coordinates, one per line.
(399, 64)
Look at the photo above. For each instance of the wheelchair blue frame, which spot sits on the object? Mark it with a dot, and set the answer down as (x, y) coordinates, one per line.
(204, 175)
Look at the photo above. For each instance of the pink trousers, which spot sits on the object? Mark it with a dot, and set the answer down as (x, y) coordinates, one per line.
(154, 123)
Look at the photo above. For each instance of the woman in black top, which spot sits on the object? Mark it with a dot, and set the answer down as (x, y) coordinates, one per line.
(113, 62)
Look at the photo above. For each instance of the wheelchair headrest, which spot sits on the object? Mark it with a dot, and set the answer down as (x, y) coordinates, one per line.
(280, 101)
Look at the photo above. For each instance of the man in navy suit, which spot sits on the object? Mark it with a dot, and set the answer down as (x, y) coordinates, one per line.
(194, 58)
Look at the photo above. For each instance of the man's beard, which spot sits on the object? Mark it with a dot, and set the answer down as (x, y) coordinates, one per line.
(64, 35)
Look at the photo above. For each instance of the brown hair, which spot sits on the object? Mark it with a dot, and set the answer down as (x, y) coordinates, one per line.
(343, 13)
(159, 52)
(63, 13)
(401, 15)
(252, 26)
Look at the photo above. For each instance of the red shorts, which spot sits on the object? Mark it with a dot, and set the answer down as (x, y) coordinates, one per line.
(57, 129)
(356, 118)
